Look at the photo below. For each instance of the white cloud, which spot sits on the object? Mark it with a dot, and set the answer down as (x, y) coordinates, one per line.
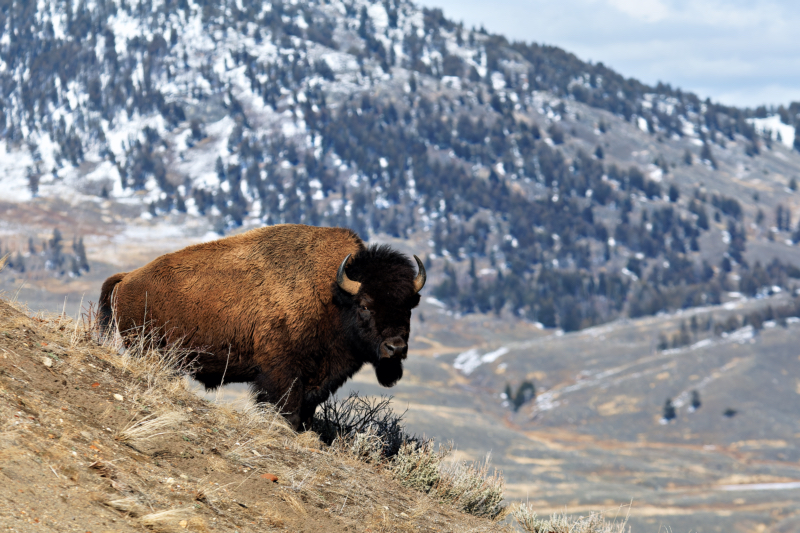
(742, 52)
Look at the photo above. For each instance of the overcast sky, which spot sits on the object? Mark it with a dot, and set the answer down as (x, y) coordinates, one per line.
(741, 52)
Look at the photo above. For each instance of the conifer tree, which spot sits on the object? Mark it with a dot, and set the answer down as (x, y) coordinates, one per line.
(80, 255)
(695, 404)
(668, 412)
(797, 136)
(53, 255)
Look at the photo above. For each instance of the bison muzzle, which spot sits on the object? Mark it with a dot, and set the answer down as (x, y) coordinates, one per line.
(293, 310)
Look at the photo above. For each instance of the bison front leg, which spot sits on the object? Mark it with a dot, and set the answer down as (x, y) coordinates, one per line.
(286, 397)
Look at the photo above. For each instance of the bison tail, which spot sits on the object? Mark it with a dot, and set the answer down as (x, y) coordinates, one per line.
(105, 312)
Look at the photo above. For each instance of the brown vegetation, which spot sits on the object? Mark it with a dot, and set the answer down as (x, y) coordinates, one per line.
(94, 440)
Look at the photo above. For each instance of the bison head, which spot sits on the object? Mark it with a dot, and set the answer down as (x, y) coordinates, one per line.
(377, 289)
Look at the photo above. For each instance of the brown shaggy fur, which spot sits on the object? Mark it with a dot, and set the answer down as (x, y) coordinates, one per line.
(263, 307)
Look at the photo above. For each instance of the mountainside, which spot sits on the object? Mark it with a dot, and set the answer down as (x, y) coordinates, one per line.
(92, 439)
(536, 185)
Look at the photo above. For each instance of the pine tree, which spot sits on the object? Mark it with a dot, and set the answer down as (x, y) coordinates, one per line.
(33, 181)
(80, 255)
(669, 413)
(525, 393)
(695, 400)
(509, 394)
(180, 203)
(74, 269)
(706, 155)
(598, 152)
(797, 136)
(674, 193)
(18, 263)
(219, 166)
(54, 255)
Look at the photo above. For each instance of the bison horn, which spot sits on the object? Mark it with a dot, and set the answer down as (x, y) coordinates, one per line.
(347, 284)
(419, 281)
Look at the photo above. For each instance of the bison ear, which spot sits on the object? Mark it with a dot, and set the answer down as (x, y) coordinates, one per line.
(419, 281)
(345, 283)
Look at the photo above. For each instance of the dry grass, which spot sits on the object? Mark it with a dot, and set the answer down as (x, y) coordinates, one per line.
(174, 521)
(232, 451)
(595, 522)
(155, 363)
(151, 426)
(130, 506)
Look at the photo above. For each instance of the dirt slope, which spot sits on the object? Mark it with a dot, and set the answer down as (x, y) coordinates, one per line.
(92, 441)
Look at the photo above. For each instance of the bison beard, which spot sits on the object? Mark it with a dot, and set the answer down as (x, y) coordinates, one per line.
(294, 310)
(389, 371)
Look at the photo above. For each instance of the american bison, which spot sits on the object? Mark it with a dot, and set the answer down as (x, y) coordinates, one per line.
(294, 310)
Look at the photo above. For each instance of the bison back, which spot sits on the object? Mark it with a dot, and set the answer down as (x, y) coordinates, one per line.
(263, 292)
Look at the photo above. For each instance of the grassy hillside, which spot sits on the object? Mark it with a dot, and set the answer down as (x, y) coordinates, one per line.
(95, 440)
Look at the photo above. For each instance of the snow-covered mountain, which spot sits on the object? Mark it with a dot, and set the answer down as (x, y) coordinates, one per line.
(539, 185)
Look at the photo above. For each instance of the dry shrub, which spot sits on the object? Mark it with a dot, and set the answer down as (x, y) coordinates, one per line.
(468, 486)
(366, 446)
(356, 414)
(417, 466)
(368, 429)
(471, 487)
(561, 523)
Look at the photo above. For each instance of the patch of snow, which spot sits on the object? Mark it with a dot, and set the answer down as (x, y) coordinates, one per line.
(453, 82)
(434, 301)
(762, 486)
(701, 344)
(468, 361)
(498, 81)
(741, 335)
(547, 401)
(773, 126)
(380, 19)
(491, 357)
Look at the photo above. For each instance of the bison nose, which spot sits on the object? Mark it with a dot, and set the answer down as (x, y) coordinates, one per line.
(394, 347)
